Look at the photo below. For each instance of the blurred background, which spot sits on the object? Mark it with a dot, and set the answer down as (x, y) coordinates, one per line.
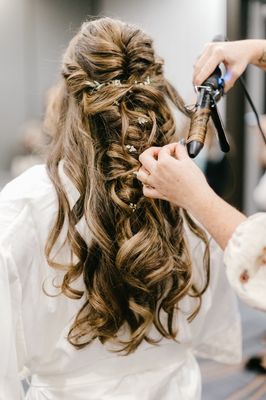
(33, 36)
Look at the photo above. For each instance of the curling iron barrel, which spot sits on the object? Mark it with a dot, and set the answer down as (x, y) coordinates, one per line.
(208, 94)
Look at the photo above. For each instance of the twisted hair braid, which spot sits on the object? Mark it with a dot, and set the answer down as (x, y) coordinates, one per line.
(113, 103)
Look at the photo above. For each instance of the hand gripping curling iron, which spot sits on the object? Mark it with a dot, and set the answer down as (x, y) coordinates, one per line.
(209, 93)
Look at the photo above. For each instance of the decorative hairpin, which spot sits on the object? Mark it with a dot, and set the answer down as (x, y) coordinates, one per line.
(95, 85)
(147, 81)
(133, 206)
(142, 120)
(115, 82)
(98, 85)
(131, 149)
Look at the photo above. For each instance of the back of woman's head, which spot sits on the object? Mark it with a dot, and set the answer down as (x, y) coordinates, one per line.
(111, 104)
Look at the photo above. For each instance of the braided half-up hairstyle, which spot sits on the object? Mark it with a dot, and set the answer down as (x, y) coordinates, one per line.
(111, 104)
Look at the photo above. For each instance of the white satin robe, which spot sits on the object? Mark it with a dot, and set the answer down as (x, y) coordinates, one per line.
(34, 326)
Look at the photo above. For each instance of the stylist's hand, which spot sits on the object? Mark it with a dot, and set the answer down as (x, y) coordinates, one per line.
(235, 56)
(168, 173)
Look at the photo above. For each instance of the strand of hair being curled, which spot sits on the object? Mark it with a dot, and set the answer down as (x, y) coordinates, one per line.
(111, 104)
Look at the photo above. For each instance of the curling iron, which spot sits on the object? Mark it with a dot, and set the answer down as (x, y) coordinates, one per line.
(209, 93)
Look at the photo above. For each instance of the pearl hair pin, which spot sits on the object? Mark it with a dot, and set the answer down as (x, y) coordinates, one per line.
(133, 206)
(131, 149)
(142, 120)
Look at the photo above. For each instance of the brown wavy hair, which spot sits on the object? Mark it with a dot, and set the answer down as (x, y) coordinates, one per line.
(112, 103)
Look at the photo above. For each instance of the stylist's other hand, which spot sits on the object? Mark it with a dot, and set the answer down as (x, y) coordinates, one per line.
(168, 173)
(234, 55)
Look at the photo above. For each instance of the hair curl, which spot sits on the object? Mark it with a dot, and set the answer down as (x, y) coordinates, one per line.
(136, 266)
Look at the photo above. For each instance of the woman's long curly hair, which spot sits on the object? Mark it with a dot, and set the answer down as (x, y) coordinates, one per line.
(112, 103)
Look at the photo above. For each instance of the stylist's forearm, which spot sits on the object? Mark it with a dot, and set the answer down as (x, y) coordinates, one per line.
(218, 217)
(258, 53)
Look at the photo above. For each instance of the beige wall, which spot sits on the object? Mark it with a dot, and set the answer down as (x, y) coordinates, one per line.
(33, 35)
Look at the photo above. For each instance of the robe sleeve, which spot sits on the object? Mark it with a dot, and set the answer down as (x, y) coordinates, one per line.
(15, 228)
(10, 296)
(245, 260)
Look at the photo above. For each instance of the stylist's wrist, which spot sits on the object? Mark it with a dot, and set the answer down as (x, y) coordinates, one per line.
(201, 201)
(255, 51)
